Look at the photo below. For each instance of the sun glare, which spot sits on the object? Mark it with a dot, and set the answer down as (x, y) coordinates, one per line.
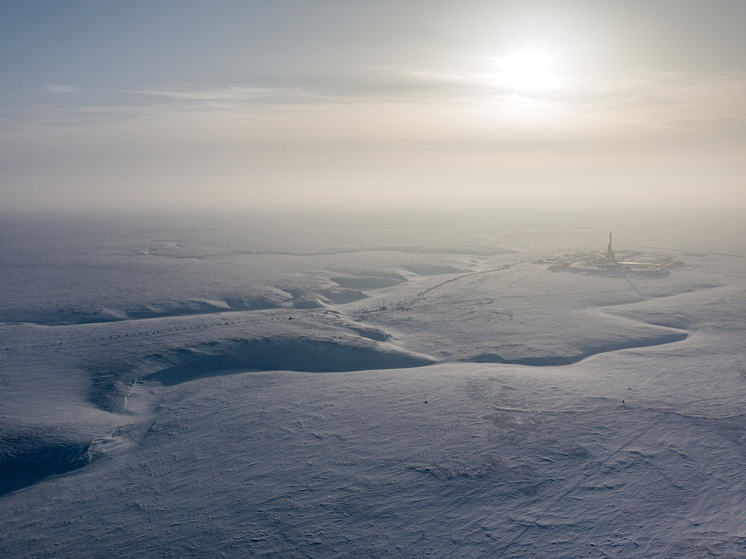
(527, 71)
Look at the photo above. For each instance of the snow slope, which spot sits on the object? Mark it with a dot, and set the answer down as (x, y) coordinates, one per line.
(474, 400)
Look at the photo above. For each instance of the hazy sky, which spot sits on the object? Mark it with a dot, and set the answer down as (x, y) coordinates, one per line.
(374, 104)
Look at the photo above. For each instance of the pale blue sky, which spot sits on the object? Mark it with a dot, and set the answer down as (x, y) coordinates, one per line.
(368, 104)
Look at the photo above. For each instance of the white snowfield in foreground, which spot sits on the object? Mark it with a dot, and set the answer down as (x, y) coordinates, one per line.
(172, 390)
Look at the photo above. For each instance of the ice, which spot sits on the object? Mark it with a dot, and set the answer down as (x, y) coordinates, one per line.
(370, 387)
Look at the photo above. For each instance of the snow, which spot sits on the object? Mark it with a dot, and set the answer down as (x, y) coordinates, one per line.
(174, 386)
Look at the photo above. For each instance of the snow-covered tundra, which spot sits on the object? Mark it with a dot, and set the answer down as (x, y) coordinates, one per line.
(401, 387)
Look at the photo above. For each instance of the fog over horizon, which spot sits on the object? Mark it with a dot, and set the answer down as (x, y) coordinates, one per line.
(362, 106)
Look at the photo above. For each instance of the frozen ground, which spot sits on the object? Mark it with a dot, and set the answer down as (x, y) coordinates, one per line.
(408, 387)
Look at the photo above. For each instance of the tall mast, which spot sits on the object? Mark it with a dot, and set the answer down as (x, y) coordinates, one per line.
(609, 252)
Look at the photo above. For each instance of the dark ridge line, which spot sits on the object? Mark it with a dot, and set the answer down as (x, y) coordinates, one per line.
(159, 317)
(106, 320)
(564, 361)
(206, 327)
(361, 330)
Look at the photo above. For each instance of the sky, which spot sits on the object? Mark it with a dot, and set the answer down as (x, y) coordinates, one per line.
(372, 105)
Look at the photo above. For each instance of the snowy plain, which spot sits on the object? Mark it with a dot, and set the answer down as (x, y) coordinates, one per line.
(376, 386)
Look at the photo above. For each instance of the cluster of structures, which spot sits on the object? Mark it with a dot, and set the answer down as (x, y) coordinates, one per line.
(656, 264)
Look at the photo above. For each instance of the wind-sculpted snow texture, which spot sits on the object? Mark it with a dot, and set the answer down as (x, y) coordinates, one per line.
(259, 389)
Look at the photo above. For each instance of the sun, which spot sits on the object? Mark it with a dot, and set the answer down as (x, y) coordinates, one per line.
(527, 71)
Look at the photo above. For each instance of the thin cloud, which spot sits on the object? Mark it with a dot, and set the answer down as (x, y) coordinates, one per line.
(230, 94)
(59, 88)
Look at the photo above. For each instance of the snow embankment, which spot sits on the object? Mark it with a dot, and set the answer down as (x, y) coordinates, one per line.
(30, 454)
(280, 354)
(318, 343)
